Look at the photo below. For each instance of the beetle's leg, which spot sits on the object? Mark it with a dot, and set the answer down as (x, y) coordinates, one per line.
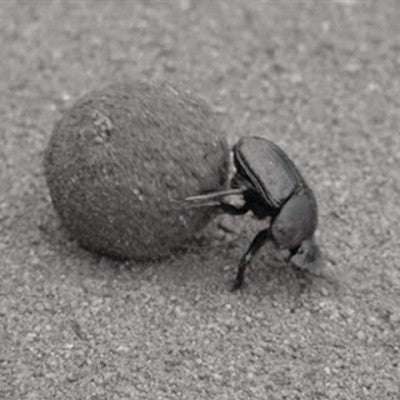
(292, 252)
(258, 205)
(212, 195)
(261, 238)
(233, 210)
(213, 199)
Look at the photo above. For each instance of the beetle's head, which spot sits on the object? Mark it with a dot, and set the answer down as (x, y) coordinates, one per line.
(308, 256)
(296, 222)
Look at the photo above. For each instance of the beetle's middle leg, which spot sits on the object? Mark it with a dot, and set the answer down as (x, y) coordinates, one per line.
(233, 210)
(261, 238)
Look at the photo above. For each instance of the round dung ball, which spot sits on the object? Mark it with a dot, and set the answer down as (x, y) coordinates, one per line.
(120, 155)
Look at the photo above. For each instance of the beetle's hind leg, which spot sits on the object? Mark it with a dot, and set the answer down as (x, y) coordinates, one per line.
(261, 238)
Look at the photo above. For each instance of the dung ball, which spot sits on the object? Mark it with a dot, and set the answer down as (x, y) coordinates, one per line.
(120, 155)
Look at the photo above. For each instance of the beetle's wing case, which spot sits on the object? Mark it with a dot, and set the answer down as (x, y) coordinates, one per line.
(268, 168)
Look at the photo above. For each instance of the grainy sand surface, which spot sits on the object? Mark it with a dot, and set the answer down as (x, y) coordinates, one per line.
(321, 79)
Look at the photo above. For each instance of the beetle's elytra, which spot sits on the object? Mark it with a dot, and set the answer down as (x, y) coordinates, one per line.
(270, 185)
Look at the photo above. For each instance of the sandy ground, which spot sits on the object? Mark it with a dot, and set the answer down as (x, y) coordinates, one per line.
(321, 79)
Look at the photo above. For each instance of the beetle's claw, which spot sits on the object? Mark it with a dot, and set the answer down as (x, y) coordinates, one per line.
(237, 285)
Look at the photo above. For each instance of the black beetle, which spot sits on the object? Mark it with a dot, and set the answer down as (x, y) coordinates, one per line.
(270, 185)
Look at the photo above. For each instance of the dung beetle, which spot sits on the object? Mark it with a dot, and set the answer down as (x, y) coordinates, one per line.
(270, 186)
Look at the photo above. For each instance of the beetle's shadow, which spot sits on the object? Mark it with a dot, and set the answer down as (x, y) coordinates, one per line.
(271, 276)
(213, 262)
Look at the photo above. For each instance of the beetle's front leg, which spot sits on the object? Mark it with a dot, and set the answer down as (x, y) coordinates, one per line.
(261, 238)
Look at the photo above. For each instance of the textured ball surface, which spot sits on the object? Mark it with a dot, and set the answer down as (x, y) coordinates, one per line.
(117, 158)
